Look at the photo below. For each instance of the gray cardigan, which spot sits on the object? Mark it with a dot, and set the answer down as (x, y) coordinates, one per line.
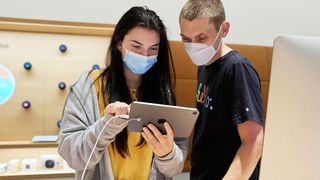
(81, 125)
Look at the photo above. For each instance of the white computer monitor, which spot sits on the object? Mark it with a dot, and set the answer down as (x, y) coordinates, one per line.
(291, 147)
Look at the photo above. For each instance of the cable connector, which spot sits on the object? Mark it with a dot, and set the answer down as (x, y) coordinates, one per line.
(135, 119)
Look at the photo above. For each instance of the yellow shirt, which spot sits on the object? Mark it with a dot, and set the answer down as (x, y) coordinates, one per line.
(137, 166)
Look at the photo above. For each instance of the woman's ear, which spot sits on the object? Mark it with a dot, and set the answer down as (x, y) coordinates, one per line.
(119, 46)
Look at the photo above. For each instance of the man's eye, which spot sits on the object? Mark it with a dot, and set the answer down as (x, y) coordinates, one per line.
(185, 40)
(202, 39)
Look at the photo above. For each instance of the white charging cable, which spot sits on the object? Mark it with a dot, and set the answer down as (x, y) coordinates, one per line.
(126, 117)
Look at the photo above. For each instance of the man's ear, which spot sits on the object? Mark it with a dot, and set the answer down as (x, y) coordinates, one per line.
(225, 28)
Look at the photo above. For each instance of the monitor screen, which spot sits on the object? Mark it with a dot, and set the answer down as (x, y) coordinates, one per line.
(291, 147)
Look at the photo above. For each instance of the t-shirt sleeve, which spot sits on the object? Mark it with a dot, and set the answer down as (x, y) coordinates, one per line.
(246, 94)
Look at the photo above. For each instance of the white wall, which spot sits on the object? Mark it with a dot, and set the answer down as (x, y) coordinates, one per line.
(253, 21)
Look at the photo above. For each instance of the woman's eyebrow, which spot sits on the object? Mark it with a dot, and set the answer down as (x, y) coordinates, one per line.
(135, 41)
(157, 44)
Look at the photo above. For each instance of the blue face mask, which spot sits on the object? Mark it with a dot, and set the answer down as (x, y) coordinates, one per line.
(137, 63)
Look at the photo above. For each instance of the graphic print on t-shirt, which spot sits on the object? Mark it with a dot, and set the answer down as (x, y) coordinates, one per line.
(202, 96)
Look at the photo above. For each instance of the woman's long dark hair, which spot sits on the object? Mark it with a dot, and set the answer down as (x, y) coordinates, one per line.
(157, 83)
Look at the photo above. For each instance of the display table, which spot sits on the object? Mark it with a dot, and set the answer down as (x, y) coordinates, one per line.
(25, 150)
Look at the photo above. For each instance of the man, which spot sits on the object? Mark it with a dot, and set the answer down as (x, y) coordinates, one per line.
(228, 134)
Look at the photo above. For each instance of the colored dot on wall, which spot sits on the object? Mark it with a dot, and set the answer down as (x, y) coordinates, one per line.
(59, 124)
(62, 85)
(95, 67)
(26, 104)
(27, 65)
(63, 48)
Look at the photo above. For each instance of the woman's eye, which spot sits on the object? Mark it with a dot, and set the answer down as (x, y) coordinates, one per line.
(154, 49)
(136, 46)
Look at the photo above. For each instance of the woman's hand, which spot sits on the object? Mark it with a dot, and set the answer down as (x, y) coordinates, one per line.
(117, 123)
(117, 108)
(160, 144)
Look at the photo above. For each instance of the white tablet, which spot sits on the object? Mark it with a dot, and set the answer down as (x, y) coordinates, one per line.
(181, 119)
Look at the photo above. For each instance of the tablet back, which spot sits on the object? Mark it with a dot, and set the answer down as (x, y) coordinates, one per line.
(181, 119)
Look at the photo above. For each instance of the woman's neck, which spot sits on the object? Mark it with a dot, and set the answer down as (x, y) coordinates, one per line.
(133, 80)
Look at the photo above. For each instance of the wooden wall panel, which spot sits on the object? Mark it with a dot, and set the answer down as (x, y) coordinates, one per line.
(40, 84)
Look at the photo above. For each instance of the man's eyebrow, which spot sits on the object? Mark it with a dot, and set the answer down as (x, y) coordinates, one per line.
(183, 36)
(201, 34)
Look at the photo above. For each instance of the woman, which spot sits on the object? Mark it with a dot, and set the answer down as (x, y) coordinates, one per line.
(140, 69)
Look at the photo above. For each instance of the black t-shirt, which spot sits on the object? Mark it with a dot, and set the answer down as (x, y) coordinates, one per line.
(228, 93)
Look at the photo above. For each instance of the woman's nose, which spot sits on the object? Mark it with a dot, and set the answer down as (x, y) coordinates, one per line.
(145, 53)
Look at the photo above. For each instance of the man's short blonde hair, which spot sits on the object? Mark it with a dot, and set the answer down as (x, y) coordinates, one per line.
(204, 8)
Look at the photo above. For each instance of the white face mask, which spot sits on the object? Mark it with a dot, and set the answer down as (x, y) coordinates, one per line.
(201, 54)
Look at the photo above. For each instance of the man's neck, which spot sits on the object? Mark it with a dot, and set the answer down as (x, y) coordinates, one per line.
(223, 50)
